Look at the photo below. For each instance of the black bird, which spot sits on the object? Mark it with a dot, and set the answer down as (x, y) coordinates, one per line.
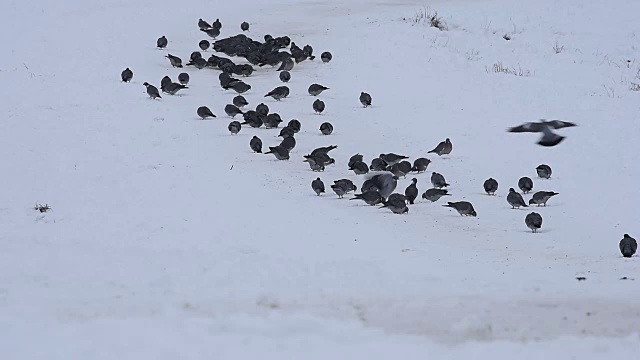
(326, 128)
(411, 192)
(295, 125)
(525, 184)
(232, 110)
(204, 112)
(316, 89)
(240, 101)
(256, 144)
(216, 24)
(278, 93)
(317, 186)
(174, 60)
(318, 106)
(490, 186)
(204, 45)
(234, 127)
(285, 76)
(326, 57)
(152, 91)
(162, 42)
(365, 99)
(126, 75)
(262, 109)
(183, 78)
(244, 26)
(628, 246)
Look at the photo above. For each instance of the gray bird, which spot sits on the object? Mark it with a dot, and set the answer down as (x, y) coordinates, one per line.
(339, 190)
(152, 91)
(288, 143)
(525, 184)
(316, 163)
(370, 197)
(164, 82)
(365, 99)
(359, 168)
(239, 87)
(284, 76)
(162, 42)
(286, 65)
(318, 186)
(272, 121)
(515, 199)
(262, 109)
(628, 246)
(195, 55)
(281, 153)
(204, 112)
(385, 183)
(316, 89)
(287, 132)
(490, 186)
(411, 192)
(434, 195)
(368, 185)
(541, 197)
(392, 158)
(256, 144)
(438, 181)
(324, 149)
(549, 138)
(232, 110)
(183, 78)
(398, 197)
(244, 26)
(295, 125)
(378, 164)
(354, 159)
(533, 221)
(239, 101)
(234, 127)
(204, 45)
(405, 167)
(174, 60)
(396, 169)
(252, 119)
(544, 171)
(420, 165)
(346, 184)
(216, 24)
(464, 208)
(324, 158)
(126, 75)
(172, 88)
(326, 128)
(278, 93)
(443, 148)
(203, 25)
(326, 57)
(199, 63)
(318, 106)
(396, 205)
(211, 32)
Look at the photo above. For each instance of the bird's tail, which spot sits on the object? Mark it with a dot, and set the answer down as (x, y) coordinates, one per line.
(449, 204)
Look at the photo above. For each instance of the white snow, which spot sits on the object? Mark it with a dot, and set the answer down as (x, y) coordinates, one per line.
(168, 238)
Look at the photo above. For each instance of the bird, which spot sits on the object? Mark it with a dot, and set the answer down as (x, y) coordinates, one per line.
(203, 24)
(183, 78)
(198, 62)
(316, 163)
(365, 99)
(164, 82)
(316, 89)
(272, 120)
(443, 148)
(541, 197)
(174, 60)
(318, 186)
(515, 199)
(354, 159)
(525, 184)
(204, 45)
(533, 221)
(338, 190)
(385, 183)
(252, 119)
(318, 106)
(544, 171)
(152, 91)
(438, 181)
(434, 195)
(216, 24)
(172, 88)
(126, 75)
(404, 167)
(628, 246)
(411, 192)
(239, 87)
(244, 26)
(240, 101)
(378, 164)
(346, 184)
(397, 170)
(284, 76)
(546, 127)
(392, 158)
(278, 93)
(307, 51)
(490, 186)
(288, 143)
(397, 196)
(232, 110)
(162, 42)
(295, 125)
(396, 205)
(324, 149)
(234, 127)
(368, 185)
(326, 57)
(286, 65)
(359, 168)
(287, 132)
(464, 208)
(211, 32)
(262, 109)
(370, 197)
(281, 153)
(326, 128)
(204, 112)
(256, 144)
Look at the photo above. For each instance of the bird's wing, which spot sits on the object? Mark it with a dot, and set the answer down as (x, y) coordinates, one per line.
(527, 127)
(559, 124)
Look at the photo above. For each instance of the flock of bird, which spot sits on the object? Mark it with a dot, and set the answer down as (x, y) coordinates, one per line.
(378, 188)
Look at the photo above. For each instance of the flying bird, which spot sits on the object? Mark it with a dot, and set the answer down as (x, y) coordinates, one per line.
(549, 138)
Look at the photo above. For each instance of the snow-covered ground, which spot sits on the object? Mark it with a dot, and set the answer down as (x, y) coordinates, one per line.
(168, 238)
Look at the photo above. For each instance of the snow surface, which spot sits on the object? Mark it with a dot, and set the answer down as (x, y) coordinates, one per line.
(168, 238)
